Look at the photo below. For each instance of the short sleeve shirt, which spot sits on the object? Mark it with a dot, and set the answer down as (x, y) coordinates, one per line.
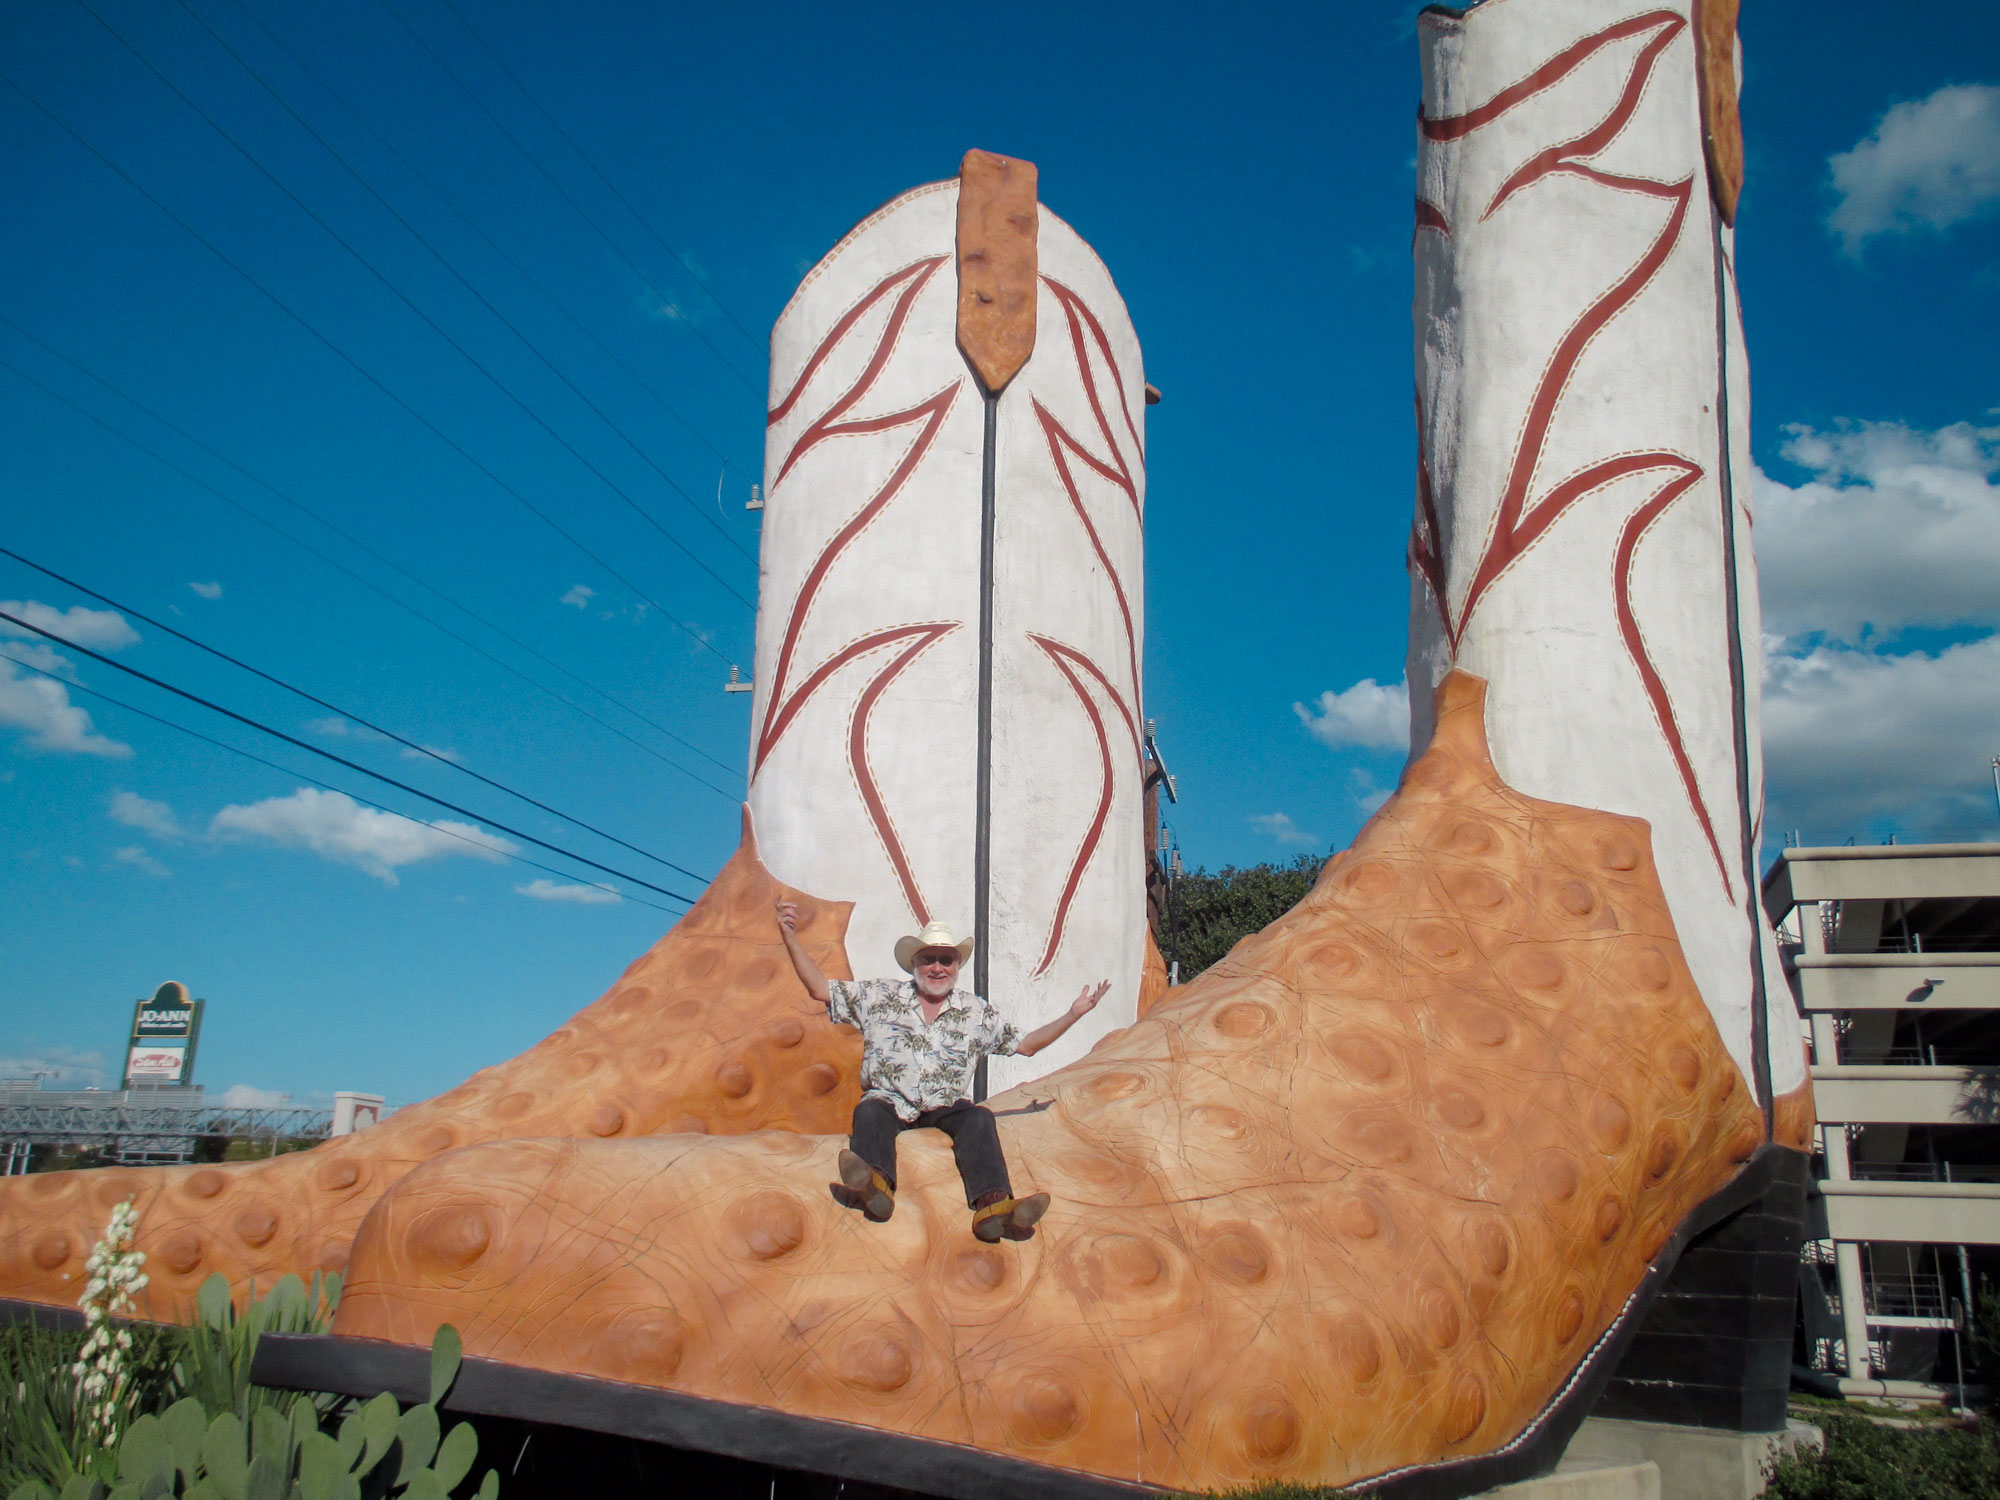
(910, 1065)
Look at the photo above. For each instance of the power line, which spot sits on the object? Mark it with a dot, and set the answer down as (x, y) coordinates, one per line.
(354, 364)
(513, 328)
(345, 713)
(339, 760)
(519, 859)
(403, 297)
(581, 211)
(366, 583)
(486, 239)
(582, 156)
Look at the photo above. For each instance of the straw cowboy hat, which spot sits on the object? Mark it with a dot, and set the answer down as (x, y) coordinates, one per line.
(934, 935)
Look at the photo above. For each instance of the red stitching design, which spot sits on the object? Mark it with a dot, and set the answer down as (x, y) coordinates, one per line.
(857, 752)
(1061, 657)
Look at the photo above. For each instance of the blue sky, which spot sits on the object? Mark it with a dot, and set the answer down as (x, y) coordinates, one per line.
(1248, 184)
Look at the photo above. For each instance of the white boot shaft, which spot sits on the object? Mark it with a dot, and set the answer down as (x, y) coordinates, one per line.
(864, 738)
(1583, 419)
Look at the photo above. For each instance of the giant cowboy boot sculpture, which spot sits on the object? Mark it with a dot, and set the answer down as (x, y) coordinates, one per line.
(1380, 1199)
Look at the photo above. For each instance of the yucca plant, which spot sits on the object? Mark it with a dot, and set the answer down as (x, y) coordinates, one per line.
(44, 1419)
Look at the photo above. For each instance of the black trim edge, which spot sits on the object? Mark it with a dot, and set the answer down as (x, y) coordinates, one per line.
(46, 1315)
(819, 1445)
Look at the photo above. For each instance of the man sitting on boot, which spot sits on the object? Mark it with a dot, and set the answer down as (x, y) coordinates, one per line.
(921, 1039)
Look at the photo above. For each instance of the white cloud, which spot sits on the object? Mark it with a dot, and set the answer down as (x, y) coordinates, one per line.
(1897, 527)
(581, 895)
(335, 826)
(579, 596)
(333, 727)
(41, 709)
(208, 591)
(1854, 738)
(99, 629)
(1366, 793)
(1281, 827)
(1371, 715)
(67, 1067)
(136, 856)
(143, 813)
(41, 656)
(248, 1096)
(1930, 163)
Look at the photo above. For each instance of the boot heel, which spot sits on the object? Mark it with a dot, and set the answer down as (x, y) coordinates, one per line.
(1715, 1348)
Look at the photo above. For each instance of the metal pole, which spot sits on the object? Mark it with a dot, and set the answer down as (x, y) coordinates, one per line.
(982, 832)
(1760, 1020)
(1965, 1286)
(1996, 781)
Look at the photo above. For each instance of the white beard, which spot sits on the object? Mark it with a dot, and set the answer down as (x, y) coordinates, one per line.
(937, 989)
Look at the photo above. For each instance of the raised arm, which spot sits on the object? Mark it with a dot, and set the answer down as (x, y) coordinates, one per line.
(808, 971)
(1043, 1036)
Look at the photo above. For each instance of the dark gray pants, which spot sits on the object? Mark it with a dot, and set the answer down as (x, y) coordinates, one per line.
(975, 1143)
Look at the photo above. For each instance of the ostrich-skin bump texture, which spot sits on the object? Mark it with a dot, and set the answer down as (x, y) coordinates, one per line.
(709, 1032)
(1361, 1196)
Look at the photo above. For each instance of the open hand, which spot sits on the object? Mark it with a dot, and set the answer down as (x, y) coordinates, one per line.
(1086, 1002)
(788, 917)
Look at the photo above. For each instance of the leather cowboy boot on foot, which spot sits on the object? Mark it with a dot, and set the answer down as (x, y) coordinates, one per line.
(867, 1189)
(1008, 1218)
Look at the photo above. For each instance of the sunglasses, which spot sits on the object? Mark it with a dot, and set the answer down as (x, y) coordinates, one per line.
(946, 959)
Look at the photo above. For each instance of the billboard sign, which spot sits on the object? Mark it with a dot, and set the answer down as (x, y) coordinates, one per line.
(165, 1029)
(156, 1064)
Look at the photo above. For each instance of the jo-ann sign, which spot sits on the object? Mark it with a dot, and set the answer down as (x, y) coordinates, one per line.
(165, 1029)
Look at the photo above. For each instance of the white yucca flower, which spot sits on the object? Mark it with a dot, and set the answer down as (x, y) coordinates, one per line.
(101, 1379)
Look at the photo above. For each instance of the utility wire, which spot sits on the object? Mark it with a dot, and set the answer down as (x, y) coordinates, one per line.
(403, 297)
(486, 239)
(512, 327)
(339, 760)
(367, 583)
(345, 713)
(582, 156)
(581, 212)
(425, 422)
(77, 687)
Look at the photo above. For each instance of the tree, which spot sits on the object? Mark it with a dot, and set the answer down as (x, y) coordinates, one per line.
(1216, 911)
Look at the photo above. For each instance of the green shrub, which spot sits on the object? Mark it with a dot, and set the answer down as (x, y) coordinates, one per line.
(380, 1451)
(1216, 911)
(1865, 1460)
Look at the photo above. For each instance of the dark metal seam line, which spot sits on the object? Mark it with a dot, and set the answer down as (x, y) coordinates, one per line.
(982, 833)
(1760, 1020)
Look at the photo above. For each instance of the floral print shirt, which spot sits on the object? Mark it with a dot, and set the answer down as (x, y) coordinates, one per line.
(908, 1064)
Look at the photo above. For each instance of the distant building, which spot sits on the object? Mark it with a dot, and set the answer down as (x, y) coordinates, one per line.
(1894, 954)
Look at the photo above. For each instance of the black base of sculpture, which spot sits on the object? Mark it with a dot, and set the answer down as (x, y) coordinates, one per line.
(1716, 1348)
